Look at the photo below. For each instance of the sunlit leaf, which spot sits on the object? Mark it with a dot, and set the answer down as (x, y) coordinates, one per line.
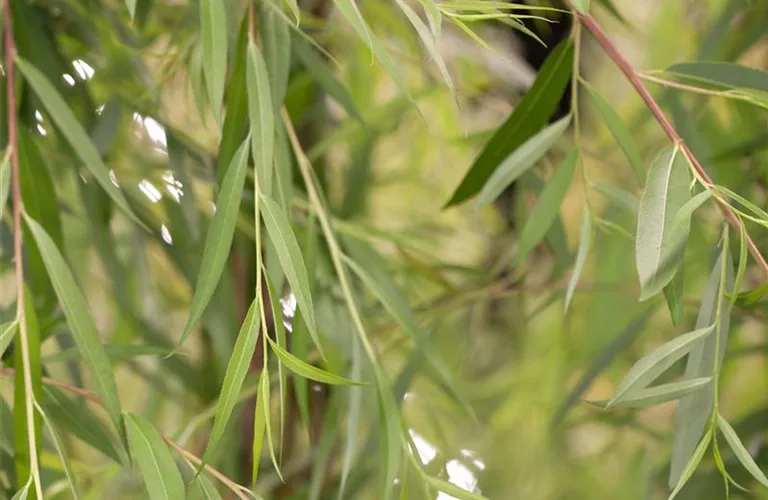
(74, 133)
(659, 248)
(649, 367)
(7, 331)
(692, 464)
(694, 410)
(219, 238)
(740, 451)
(528, 117)
(22, 398)
(620, 132)
(79, 421)
(305, 370)
(213, 27)
(585, 241)
(281, 235)
(742, 267)
(547, 205)
(237, 369)
(523, 158)
(131, 5)
(451, 489)
(23, 493)
(724, 74)
(262, 117)
(80, 323)
(158, 468)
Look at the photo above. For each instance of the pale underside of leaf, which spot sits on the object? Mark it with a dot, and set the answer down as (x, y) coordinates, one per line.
(740, 451)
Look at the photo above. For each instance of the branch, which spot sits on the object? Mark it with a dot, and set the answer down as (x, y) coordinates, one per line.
(236, 488)
(635, 79)
(10, 55)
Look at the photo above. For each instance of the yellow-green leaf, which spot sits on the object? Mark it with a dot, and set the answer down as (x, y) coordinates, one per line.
(262, 118)
(7, 331)
(305, 370)
(158, 468)
(5, 180)
(213, 26)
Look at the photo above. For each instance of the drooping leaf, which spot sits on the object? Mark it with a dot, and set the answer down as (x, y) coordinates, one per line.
(7, 331)
(694, 410)
(61, 451)
(523, 158)
(23, 493)
(235, 126)
(620, 132)
(213, 27)
(622, 198)
(276, 41)
(259, 426)
(74, 133)
(742, 267)
(115, 352)
(547, 206)
(161, 476)
(673, 294)
(323, 75)
(724, 74)
(262, 117)
(662, 393)
(685, 212)
(740, 451)
(353, 417)
(692, 464)
(5, 180)
(294, 6)
(203, 489)
(528, 117)
(610, 6)
(80, 323)
(280, 233)
(219, 238)
(23, 400)
(649, 367)
(389, 433)
(305, 370)
(585, 241)
(78, 420)
(659, 248)
(237, 369)
(131, 5)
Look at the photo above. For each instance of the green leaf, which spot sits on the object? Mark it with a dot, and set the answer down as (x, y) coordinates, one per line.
(115, 352)
(149, 451)
(80, 323)
(673, 293)
(528, 117)
(237, 369)
(74, 133)
(352, 430)
(22, 444)
(281, 235)
(661, 393)
(610, 6)
(213, 26)
(752, 297)
(203, 489)
(131, 5)
(262, 118)
(78, 420)
(740, 451)
(294, 6)
(23, 493)
(622, 198)
(260, 418)
(61, 451)
(547, 206)
(694, 411)
(305, 370)
(323, 75)
(649, 367)
(692, 463)
(683, 216)
(585, 241)
(276, 42)
(659, 246)
(389, 433)
(219, 238)
(520, 161)
(581, 5)
(725, 74)
(742, 268)
(7, 331)
(451, 489)
(5, 180)
(235, 126)
(620, 132)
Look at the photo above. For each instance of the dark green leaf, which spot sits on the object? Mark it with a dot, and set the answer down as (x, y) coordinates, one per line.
(155, 461)
(725, 74)
(7, 331)
(21, 411)
(213, 26)
(529, 116)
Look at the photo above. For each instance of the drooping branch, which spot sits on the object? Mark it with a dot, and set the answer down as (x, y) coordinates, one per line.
(635, 79)
(13, 144)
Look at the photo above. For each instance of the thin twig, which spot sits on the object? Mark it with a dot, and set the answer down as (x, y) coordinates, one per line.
(10, 55)
(635, 79)
(236, 488)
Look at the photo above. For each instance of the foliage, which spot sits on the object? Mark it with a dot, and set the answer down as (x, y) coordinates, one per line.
(237, 273)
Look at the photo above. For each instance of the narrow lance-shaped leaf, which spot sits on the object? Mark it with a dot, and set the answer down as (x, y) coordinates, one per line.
(389, 433)
(202, 489)
(155, 461)
(521, 160)
(547, 205)
(5, 180)
(74, 133)
(673, 293)
(659, 248)
(692, 464)
(237, 369)
(585, 241)
(219, 238)
(23, 493)
(685, 212)
(620, 132)
(259, 426)
(115, 352)
(7, 331)
(528, 117)
(276, 42)
(353, 416)
(662, 393)
(131, 5)
(740, 451)
(305, 370)
(61, 450)
(649, 367)
(622, 198)
(282, 237)
(80, 323)
(213, 21)
(724, 74)
(262, 118)
(451, 489)
(694, 411)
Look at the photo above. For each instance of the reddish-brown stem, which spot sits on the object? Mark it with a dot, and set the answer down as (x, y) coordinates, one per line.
(634, 78)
